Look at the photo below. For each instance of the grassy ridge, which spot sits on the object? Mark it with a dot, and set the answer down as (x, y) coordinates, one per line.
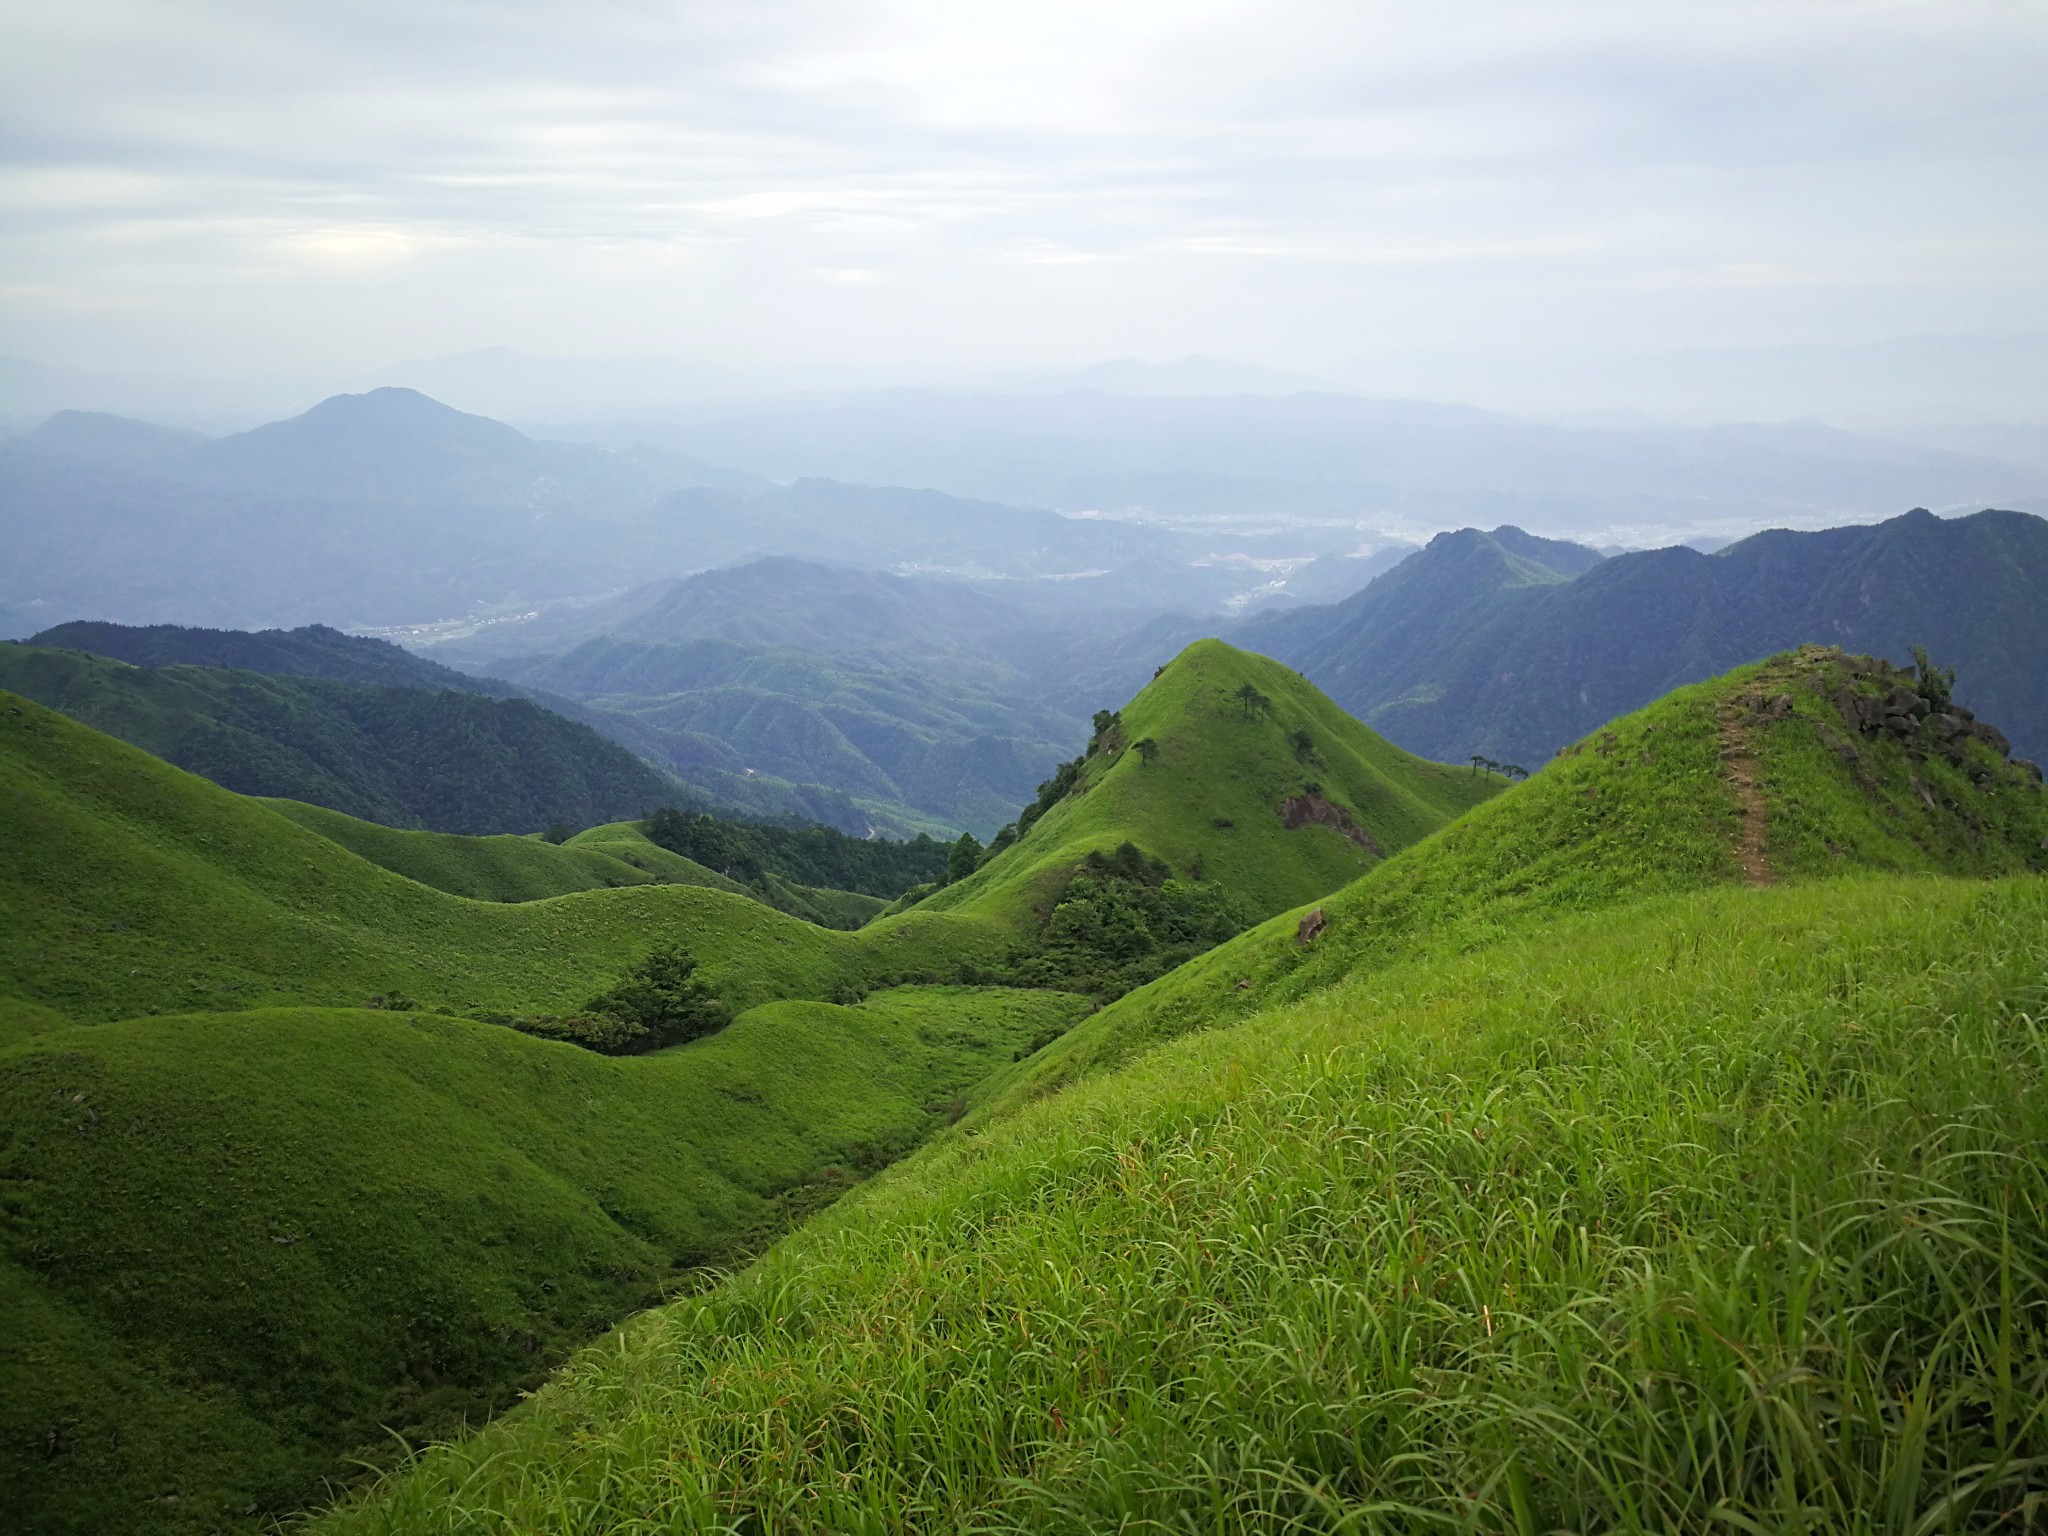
(1211, 797)
(504, 867)
(449, 761)
(1642, 807)
(509, 868)
(1725, 1207)
(235, 1245)
(133, 887)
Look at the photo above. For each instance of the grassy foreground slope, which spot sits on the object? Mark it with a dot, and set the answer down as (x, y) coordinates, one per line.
(1649, 804)
(133, 887)
(1728, 1209)
(236, 1247)
(1212, 800)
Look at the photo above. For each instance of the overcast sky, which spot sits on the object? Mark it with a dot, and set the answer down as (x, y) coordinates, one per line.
(894, 190)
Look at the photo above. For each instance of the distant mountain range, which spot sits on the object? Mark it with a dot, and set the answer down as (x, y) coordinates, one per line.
(390, 508)
(1512, 646)
(1255, 462)
(855, 737)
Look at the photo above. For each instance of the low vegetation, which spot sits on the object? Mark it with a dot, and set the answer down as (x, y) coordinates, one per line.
(242, 1249)
(1722, 1211)
(1651, 1144)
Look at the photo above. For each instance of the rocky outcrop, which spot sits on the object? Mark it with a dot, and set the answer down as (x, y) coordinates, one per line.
(1877, 699)
(1310, 808)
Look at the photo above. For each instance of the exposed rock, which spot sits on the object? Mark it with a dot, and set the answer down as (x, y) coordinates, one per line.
(1311, 925)
(2030, 768)
(1310, 807)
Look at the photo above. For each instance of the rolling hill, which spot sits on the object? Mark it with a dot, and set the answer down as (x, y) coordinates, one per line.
(863, 746)
(249, 1219)
(445, 761)
(1278, 796)
(1482, 644)
(1659, 1145)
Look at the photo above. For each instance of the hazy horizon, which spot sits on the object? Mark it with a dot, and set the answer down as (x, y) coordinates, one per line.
(1582, 207)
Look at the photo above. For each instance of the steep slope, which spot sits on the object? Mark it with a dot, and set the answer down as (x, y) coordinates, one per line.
(1767, 773)
(304, 1222)
(1668, 1215)
(1253, 780)
(241, 1250)
(1456, 651)
(449, 762)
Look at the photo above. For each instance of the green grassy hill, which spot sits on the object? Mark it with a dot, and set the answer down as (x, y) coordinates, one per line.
(238, 1247)
(1215, 799)
(449, 762)
(1685, 1217)
(1656, 1147)
(132, 887)
(500, 868)
(1647, 805)
(509, 868)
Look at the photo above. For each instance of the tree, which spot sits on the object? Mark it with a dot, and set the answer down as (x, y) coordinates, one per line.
(1935, 684)
(557, 834)
(1146, 748)
(659, 1002)
(1304, 745)
(964, 859)
(1252, 700)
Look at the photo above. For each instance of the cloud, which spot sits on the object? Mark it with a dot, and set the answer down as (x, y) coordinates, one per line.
(1013, 183)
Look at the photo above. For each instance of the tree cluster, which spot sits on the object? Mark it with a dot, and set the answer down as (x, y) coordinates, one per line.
(658, 1003)
(810, 855)
(1122, 919)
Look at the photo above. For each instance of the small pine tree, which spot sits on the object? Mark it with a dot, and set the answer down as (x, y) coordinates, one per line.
(1146, 748)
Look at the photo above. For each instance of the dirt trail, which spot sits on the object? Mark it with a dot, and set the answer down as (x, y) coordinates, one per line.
(1740, 769)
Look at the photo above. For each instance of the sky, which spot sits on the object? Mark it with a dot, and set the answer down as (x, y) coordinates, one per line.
(789, 192)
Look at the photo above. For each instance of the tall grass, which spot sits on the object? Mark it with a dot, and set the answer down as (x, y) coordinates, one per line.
(1723, 1215)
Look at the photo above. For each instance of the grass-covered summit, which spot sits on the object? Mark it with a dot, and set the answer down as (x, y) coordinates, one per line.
(1788, 769)
(1231, 768)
